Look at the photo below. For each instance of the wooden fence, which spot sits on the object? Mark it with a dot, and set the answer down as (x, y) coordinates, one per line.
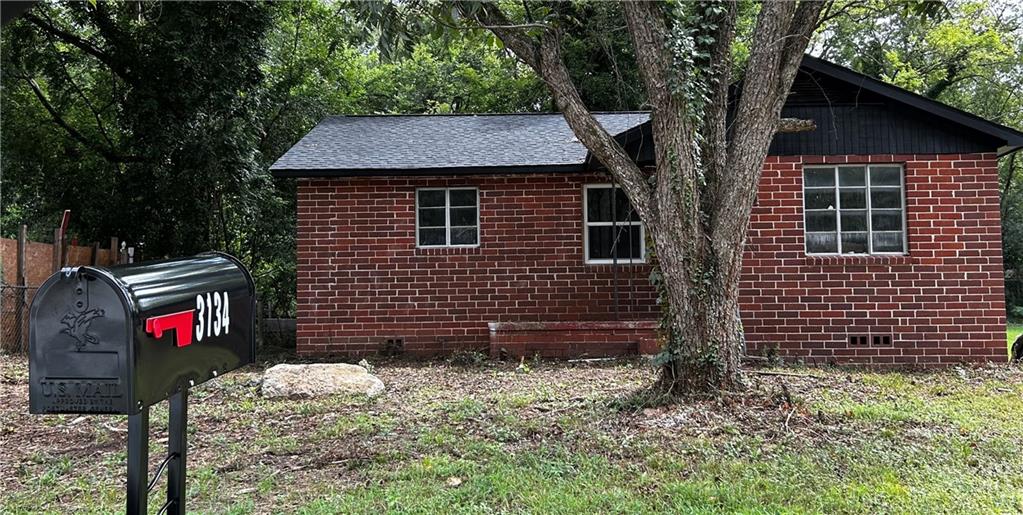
(25, 265)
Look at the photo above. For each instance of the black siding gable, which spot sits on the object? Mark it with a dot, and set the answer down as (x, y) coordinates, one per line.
(852, 120)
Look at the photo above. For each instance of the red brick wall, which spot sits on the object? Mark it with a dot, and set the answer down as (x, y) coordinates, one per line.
(362, 281)
(942, 303)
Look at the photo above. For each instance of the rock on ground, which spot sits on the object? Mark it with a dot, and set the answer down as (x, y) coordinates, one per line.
(319, 380)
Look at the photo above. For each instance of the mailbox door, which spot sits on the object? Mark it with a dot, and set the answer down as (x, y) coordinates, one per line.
(195, 321)
(79, 336)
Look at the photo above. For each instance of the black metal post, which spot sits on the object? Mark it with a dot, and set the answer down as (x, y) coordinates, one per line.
(138, 462)
(177, 448)
(614, 245)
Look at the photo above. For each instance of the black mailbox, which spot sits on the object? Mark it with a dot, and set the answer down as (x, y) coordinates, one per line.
(120, 339)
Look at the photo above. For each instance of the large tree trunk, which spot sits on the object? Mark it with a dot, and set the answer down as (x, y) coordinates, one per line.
(696, 203)
(701, 326)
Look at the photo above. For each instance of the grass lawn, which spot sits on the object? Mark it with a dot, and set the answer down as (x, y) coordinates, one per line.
(558, 438)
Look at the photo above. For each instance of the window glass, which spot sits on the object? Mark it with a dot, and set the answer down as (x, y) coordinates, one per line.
(886, 176)
(852, 176)
(853, 198)
(431, 198)
(447, 217)
(822, 242)
(820, 198)
(431, 237)
(818, 177)
(431, 217)
(853, 209)
(613, 229)
(463, 197)
(820, 221)
(621, 242)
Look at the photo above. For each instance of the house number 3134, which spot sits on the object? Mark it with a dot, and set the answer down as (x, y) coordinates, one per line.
(214, 314)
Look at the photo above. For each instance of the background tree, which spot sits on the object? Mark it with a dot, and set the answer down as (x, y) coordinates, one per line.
(156, 122)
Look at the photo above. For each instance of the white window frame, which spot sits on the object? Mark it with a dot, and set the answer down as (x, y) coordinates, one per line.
(587, 224)
(869, 209)
(447, 217)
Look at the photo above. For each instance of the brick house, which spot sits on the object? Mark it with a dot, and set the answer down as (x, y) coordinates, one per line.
(875, 239)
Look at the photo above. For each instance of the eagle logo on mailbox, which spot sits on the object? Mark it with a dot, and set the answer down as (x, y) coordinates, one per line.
(77, 326)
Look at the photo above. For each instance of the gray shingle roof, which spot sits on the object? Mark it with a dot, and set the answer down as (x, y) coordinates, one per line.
(374, 145)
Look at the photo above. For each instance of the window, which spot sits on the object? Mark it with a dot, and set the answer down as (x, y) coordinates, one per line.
(447, 217)
(614, 232)
(854, 209)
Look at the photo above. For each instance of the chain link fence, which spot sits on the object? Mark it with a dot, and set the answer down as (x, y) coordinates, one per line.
(14, 304)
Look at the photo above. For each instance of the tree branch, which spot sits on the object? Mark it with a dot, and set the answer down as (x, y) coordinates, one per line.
(782, 34)
(82, 44)
(648, 29)
(108, 154)
(719, 79)
(544, 57)
(802, 26)
(788, 125)
(80, 92)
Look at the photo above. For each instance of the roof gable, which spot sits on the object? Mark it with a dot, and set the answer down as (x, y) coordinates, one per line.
(852, 119)
(894, 96)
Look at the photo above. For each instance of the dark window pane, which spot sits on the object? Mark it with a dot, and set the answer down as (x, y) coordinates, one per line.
(623, 208)
(431, 236)
(463, 235)
(853, 198)
(851, 176)
(888, 242)
(885, 176)
(886, 220)
(854, 243)
(885, 199)
(627, 245)
(820, 199)
(598, 204)
(817, 221)
(463, 197)
(600, 239)
(854, 220)
(463, 216)
(818, 177)
(431, 217)
(821, 242)
(431, 198)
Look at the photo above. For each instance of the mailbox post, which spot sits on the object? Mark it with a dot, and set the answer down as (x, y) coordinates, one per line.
(118, 340)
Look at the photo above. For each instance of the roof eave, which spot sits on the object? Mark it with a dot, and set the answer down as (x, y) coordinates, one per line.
(1005, 150)
(300, 173)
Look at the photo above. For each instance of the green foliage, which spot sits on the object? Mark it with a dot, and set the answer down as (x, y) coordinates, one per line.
(173, 112)
(160, 98)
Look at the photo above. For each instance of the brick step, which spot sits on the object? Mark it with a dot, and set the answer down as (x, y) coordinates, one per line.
(590, 339)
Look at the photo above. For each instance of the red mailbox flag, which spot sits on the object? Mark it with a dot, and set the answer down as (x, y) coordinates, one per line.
(181, 322)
